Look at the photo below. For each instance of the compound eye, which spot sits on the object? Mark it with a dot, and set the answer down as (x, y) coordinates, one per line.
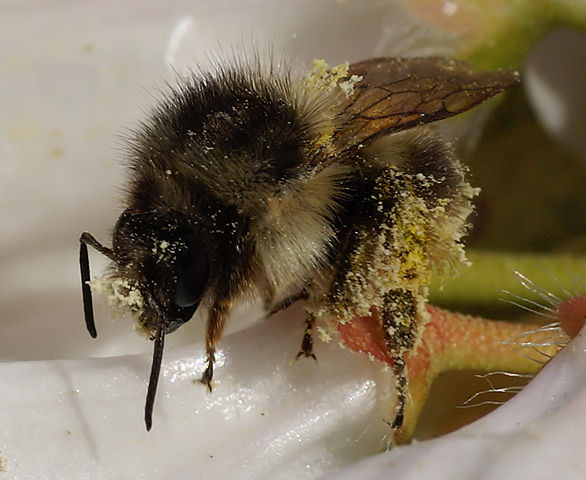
(192, 271)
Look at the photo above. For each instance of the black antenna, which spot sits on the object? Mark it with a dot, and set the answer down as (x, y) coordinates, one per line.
(84, 266)
(154, 378)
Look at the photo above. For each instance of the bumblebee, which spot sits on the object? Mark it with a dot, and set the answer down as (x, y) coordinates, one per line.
(247, 182)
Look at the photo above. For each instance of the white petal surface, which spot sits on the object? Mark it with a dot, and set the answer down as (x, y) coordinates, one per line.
(271, 418)
(268, 416)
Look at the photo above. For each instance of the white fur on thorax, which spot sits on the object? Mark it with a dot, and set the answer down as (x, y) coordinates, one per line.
(293, 237)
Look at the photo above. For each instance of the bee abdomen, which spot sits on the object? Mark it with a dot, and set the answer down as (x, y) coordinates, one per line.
(415, 202)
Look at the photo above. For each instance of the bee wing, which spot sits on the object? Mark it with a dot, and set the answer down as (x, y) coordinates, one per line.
(399, 93)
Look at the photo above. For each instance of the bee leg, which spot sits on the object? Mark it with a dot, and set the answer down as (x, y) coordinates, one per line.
(208, 373)
(216, 321)
(399, 319)
(401, 383)
(307, 343)
(283, 305)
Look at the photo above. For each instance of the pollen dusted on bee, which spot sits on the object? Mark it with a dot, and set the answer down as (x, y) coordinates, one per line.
(246, 182)
(123, 297)
(412, 234)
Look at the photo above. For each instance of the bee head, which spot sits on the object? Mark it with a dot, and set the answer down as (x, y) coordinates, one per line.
(164, 254)
(161, 254)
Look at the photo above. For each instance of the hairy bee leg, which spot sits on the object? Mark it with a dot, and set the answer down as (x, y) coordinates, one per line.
(286, 303)
(208, 373)
(216, 320)
(399, 321)
(307, 342)
(401, 378)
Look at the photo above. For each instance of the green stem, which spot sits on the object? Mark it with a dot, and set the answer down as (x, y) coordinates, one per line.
(517, 31)
(483, 283)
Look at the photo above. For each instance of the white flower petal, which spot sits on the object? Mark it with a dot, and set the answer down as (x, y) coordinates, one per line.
(268, 416)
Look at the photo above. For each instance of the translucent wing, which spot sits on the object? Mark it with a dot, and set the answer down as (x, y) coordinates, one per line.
(399, 93)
